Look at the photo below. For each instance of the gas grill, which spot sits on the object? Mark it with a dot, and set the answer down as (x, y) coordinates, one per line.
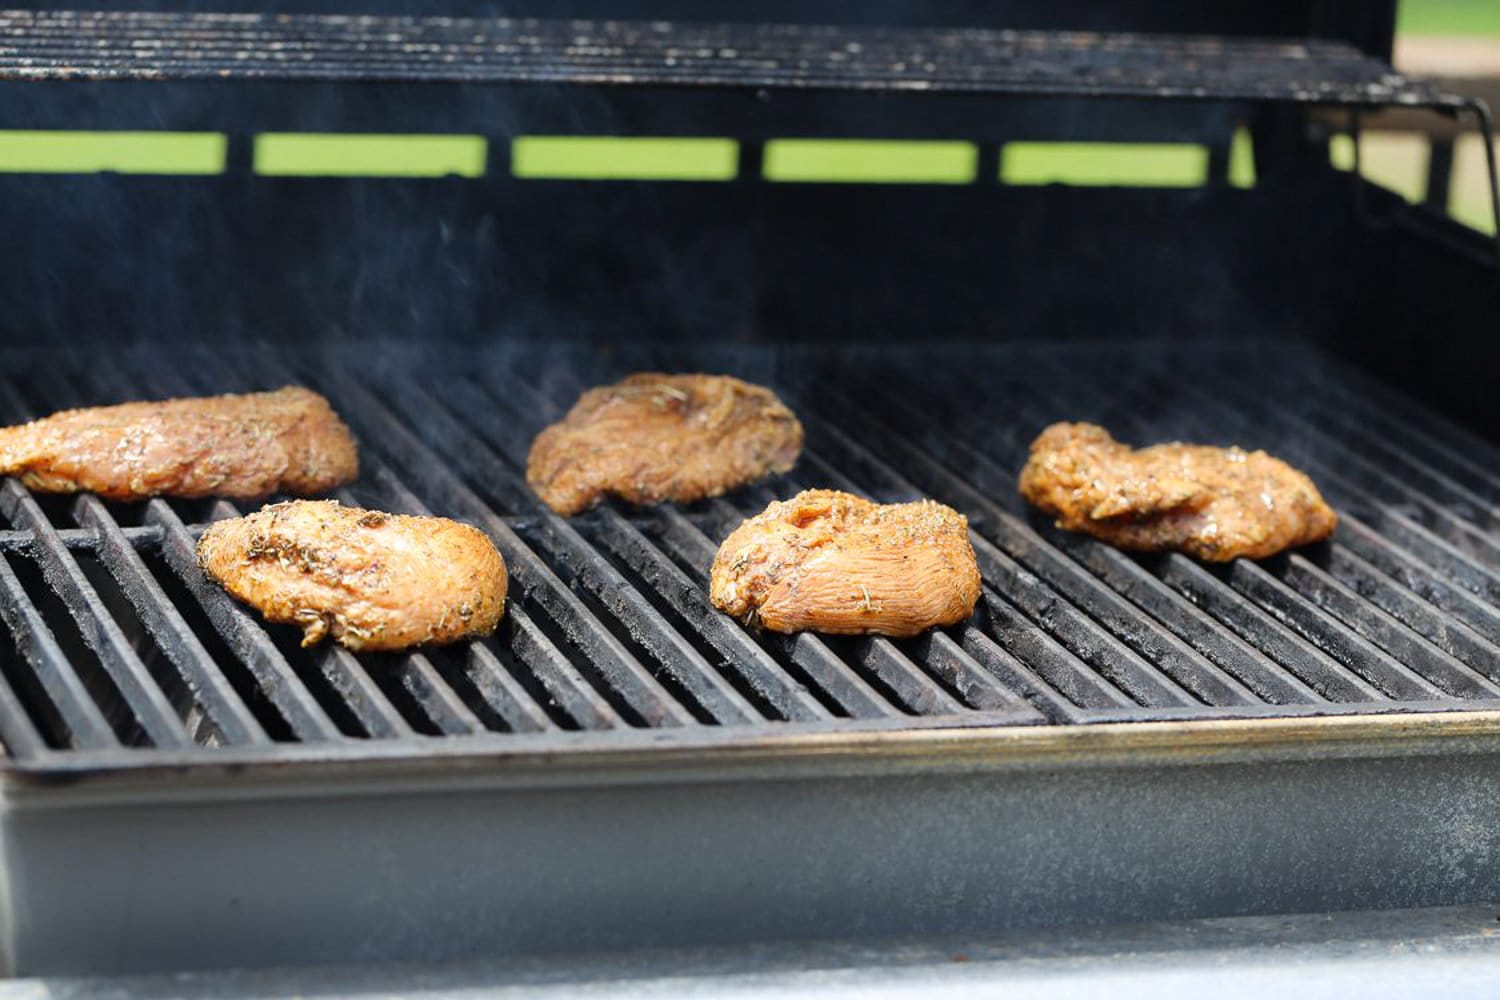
(1110, 738)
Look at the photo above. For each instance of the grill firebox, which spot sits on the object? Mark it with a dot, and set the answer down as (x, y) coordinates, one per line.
(124, 652)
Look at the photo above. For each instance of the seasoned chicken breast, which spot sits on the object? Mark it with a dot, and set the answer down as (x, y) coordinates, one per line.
(1213, 503)
(658, 437)
(372, 581)
(246, 447)
(827, 561)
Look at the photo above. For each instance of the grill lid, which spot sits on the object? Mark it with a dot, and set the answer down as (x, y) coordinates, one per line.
(125, 656)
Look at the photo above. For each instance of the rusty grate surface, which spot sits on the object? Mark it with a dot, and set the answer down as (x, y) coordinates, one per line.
(107, 45)
(122, 654)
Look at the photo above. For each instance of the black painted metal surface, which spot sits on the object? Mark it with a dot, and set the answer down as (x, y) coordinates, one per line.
(93, 45)
(122, 651)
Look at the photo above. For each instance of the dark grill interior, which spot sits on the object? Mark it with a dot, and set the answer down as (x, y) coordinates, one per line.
(119, 641)
(66, 45)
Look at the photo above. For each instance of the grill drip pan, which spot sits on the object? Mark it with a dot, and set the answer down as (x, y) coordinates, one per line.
(1146, 738)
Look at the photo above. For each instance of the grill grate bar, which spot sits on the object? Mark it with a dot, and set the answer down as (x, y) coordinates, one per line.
(1327, 677)
(1371, 483)
(684, 664)
(433, 695)
(210, 688)
(878, 656)
(242, 634)
(1339, 641)
(1457, 498)
(1463, 455)
(561, 681)
(350, 677)
(825, 669)
(1023, 547)
(1110, 658)
(97, 626)
(1326, 631)
(357, 690)
(1249, 672)
(19, 738)
(1415, 456)
(81, 539)
(1360, 541)
(504, 695)
(790, 698)
(945, 659)
(1437, 553)
(1332, 679)
(973, 678)
(1013, 673)
(643, 692)
(53, 671)
(812, 654)
(1233, 654)
(346, 676)
(1238, 661)
(342, 672)
(138, 45)
(1446, 655)
(902, 680)
(502, 692)
(1416, 539)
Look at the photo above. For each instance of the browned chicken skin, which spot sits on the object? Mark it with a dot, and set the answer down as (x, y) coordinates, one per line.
(246, 447)
(828, 561)
(1213, 503)
(373, 581)
(659, 437)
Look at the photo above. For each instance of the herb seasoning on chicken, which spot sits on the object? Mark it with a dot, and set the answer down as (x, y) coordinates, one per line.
(1213, 503)
(657, 437)
(246, 446)
(372, 581)
(827, 561)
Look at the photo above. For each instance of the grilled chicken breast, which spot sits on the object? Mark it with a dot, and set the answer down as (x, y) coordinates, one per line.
(659, 437)
(827, 561)
(372, 581)
(1213, 503)
(246, 447)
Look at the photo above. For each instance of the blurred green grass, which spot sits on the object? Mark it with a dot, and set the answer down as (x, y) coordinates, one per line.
(1467, 18)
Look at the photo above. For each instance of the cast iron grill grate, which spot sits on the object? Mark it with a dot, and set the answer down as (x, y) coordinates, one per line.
(99, 45)
(123, 654)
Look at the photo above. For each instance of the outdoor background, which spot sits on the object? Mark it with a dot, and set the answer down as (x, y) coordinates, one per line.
(1450, 39)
